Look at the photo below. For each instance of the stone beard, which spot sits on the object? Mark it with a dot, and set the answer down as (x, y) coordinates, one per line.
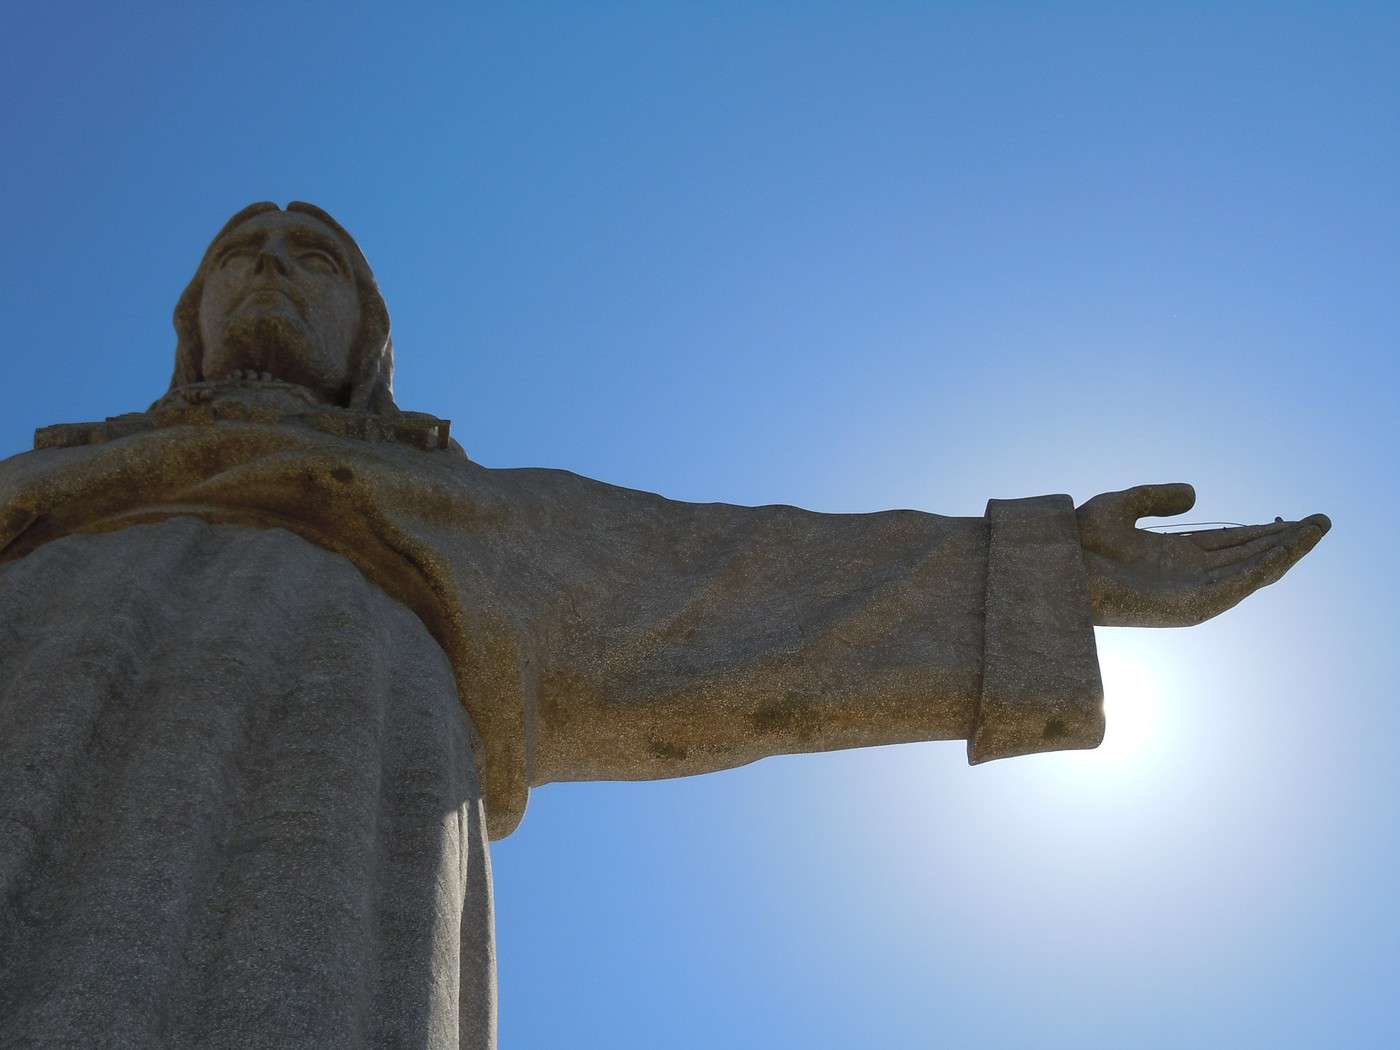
(264, 344)
(279, 659)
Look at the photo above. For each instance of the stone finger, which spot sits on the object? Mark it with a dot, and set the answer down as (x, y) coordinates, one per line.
(1268, 564)
(1225, 539)
(1287, 535)
(1156, 501)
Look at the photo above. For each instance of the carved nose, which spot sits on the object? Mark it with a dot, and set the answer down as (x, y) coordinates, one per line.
(270, 260)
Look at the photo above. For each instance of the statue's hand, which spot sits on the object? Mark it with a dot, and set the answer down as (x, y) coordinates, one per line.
(1147, 579)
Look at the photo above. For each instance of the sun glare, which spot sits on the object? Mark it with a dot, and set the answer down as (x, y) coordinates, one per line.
(1132, 688)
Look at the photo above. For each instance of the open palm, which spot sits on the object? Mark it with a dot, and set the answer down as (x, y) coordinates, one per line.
(1146, 579)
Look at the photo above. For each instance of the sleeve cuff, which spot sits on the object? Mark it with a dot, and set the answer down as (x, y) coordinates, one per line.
(1040, 671)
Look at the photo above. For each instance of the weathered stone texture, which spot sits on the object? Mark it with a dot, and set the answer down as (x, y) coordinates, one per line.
(275, 657)
(237, 803)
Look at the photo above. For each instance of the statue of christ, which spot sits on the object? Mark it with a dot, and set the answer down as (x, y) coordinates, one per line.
(277, 660)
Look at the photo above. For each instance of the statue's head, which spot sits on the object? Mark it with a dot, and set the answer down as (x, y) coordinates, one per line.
(287, 293)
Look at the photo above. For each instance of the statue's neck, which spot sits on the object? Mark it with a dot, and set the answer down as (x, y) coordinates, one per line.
(260, 402)
(255, 394)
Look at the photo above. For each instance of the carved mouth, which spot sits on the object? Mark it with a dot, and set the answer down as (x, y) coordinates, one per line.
(252, 375)
(267, 292)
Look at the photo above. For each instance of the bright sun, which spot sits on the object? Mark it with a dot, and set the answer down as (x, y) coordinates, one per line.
(1132, 688)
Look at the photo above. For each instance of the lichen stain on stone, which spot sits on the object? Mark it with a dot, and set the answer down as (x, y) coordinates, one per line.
(790, 716)
(667, 752)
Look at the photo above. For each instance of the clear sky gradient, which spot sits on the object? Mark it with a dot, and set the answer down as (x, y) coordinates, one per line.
(848, 257)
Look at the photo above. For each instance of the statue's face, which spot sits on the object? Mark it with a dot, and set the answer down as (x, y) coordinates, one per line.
(279, 297)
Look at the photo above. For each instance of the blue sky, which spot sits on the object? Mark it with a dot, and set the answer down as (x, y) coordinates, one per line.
(848, 257)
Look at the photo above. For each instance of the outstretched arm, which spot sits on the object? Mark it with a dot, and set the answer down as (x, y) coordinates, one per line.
(677, 638)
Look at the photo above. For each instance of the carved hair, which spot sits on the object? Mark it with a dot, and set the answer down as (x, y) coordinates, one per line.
(371, 358)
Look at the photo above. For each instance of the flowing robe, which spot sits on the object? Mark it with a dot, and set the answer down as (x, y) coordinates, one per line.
(268, 684)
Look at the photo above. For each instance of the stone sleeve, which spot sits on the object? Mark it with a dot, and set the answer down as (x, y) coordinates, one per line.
(1041, 689)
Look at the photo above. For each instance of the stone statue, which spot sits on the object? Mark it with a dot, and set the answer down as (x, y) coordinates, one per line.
(277, 659)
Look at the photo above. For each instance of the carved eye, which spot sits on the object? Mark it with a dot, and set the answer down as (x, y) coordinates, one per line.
(318, 262)
(235, 259)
